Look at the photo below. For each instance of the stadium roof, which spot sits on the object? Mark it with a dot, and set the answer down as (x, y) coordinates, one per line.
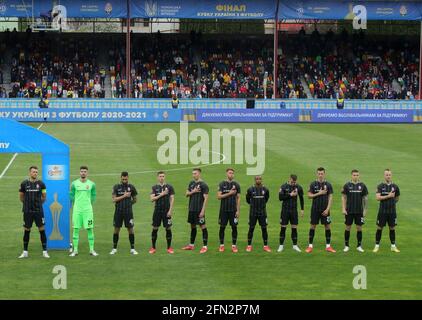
(216, 9)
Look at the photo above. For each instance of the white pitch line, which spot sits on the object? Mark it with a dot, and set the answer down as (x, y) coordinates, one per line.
(13, 158)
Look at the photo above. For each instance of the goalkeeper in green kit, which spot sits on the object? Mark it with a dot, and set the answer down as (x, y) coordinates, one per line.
(82, 195)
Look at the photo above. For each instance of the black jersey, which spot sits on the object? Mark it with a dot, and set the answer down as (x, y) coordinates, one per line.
(163, 203)
(32, 200)
(320, 203)
(290, 203)
(389, 205)
(196, 200)
(228, 204)
(125, 204)
(257, 197)
(354, 192)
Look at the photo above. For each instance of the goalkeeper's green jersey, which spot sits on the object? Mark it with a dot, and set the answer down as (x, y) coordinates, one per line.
(82, 195)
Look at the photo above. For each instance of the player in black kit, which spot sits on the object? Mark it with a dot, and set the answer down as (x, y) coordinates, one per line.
(321, 193)
(32, 194)
(257, 197)
(388, 194)
(197, 193)
(124, 196)
(354, 204)
(229, 195)
(163, 196)
(288, 194)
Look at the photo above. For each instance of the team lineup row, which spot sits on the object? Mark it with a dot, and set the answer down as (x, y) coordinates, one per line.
(124, 195)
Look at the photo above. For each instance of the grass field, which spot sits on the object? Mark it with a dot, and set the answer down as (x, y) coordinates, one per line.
(290, 148)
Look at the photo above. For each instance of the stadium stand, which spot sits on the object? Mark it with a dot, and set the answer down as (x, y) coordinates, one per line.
(313, 66)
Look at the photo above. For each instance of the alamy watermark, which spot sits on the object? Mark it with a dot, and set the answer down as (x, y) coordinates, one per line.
(225, 146)
(60, 280)
(360, 280)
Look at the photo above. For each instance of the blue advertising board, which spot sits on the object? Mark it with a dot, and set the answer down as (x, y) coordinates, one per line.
(20, 138)
(204, 9)
(91, 115)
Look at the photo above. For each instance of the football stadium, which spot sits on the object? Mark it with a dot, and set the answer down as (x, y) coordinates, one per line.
(253, 150)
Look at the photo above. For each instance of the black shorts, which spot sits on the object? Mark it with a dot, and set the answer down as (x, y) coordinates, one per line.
(316, 217)
(226, 217)
(193, 218)
(289, 216)
(357, 218)
(30, 217)
(384, 218)
(126, 216)
(262, 219)
(160, 217)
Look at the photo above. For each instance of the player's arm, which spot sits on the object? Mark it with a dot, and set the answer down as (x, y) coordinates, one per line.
(22, 193)
(301, 199)
(43, 195)
(204, 205)
(365, 205)
(248, 196)
(313, 195)
(330, 202)
(237, 205)
(397, 194)
(221, 195)
(344, 203)
(93, 193)
(72, 193)
(267, 195)
(154, 197)
(379, 197)
(170, 212)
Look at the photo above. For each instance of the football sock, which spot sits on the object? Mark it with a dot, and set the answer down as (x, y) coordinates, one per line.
(43, 239)
(132, 240)
(192, 235)
(265, 235)
(328, 236)
(222, 229)
(346, 237)
(393, 236)
(359, 237)
(311, 235)
(250, 235)
(90, 239)
(378, 236)
(26, 239)
(154, 236)
(234, 235)
(75, 239)
(169, 236)
(205, 236)
(282, 235)
(294, 236)
(115, 240)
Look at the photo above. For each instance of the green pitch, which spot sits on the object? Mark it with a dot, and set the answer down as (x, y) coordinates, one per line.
(298, 148)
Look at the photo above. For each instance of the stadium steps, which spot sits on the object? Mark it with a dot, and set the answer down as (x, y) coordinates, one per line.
(305, 87)
(5, 67)
(396, 86)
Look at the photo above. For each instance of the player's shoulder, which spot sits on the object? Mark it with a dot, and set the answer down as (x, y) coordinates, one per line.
(41, 183)
(24, 181)
(380, 185)
(203, 184)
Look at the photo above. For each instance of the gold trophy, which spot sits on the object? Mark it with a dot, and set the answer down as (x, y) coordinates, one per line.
(56, 209)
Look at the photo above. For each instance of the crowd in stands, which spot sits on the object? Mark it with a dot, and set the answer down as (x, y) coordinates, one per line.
(314, 65)
(356, 67)
(53, 67)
